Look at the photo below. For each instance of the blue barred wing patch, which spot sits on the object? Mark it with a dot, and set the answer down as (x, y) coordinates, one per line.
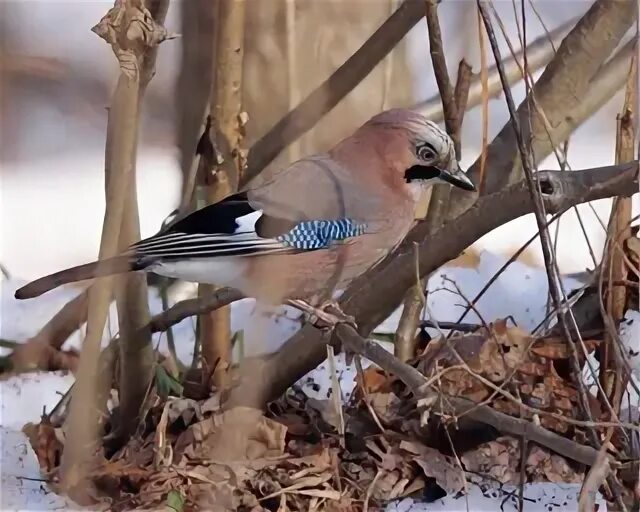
(318, 234)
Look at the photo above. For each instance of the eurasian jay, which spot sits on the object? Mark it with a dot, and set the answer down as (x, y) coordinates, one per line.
(314, 226)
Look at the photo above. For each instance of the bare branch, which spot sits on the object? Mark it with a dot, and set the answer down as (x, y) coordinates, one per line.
(193, 86)
(596, 476)
(190, 307)
(131, 293)
(440, 70)
(614, 267)
(131, 40)
(34, 353)
(225, 107)
(454, 102)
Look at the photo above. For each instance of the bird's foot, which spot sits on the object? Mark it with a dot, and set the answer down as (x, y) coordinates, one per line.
(326, 316)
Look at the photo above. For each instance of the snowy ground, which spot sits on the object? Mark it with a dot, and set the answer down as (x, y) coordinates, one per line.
(520, 292)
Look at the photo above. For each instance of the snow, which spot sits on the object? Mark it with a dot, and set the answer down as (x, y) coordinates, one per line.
(537, 497)
(23, 397)
(22, 400)
(630, 339)
(22, 485)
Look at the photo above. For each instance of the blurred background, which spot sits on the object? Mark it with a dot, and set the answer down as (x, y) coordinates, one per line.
(57, 76)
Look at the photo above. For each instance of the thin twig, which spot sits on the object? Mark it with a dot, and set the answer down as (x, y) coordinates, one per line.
(337, 394)
(440, 70)
(454, 102)
(504, 267)
(365, 393)
(595, 478)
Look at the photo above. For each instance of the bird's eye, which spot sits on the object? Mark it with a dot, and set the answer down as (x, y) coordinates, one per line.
(426, 152)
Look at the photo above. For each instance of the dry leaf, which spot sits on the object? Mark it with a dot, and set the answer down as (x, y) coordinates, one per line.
(542, 466)
(385, 405)
(554, 348)
(375, 380)
(47, 443)
(327, 411)
(498, 459)
(244, 433)
(436, 465)
(185, 408)
(211, 404)
(296, 424)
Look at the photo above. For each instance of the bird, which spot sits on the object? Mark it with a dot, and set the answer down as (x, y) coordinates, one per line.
(307, 230)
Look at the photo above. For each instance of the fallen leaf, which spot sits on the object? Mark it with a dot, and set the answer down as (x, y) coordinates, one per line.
(498, 459)
(211, 404)
(47, 443)
(185, 408)
(374, 380)
(386, 406)
(244, 433)
(327, 411)
(296, 424)
(554, 348)
(436, 465)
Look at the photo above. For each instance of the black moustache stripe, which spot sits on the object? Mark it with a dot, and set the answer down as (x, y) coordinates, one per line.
(421, 172)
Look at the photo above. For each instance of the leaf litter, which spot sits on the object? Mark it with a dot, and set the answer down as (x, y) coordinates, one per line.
(192, 453)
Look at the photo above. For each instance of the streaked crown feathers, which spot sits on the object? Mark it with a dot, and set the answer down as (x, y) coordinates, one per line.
(419, 126)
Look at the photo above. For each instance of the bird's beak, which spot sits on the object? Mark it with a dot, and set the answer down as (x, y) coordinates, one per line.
(457, 178)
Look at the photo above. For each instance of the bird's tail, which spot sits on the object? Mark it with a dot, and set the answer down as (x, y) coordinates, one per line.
(116, 265)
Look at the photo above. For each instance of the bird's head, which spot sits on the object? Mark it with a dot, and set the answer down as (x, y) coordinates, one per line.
(428, 154)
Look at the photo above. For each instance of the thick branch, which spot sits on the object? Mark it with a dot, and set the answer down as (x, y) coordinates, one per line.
(131, 31)
(337, 86)
(131, 293)
(387, 281)
(36, 351)
(225, 106)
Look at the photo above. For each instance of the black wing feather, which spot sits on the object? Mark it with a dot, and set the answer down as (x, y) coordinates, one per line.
(212, 231)
(218, 218)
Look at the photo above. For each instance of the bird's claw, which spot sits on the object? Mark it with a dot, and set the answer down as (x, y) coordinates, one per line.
(326, 316)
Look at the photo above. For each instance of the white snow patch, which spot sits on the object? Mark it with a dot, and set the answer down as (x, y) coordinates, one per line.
(537, 497)
(22, 400)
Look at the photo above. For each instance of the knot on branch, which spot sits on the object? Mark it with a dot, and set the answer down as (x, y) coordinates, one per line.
(557, 192)
(131, 30)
